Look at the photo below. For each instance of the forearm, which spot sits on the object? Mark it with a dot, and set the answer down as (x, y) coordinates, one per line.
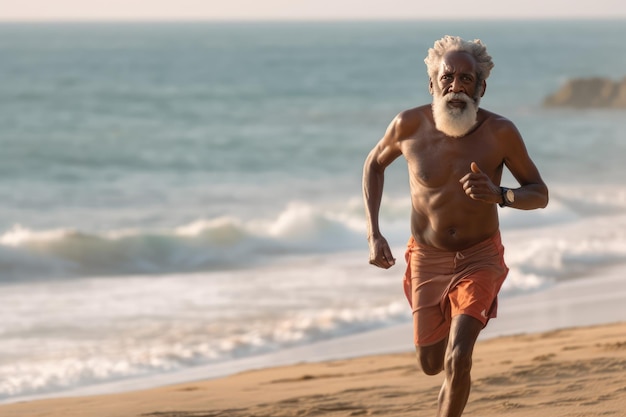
(373, 182)
(530, 197)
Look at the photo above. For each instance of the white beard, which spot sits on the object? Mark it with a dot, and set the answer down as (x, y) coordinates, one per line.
(455, 122)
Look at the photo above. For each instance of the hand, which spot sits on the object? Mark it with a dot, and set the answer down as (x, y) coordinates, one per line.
(380, 253)
(478, 186)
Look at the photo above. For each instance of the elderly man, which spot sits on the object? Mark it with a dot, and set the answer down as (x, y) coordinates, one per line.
(456, 152)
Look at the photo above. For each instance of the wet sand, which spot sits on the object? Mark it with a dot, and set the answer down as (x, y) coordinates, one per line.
(568, 372)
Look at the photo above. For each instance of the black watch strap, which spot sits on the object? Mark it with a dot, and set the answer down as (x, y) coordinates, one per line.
(505, 201)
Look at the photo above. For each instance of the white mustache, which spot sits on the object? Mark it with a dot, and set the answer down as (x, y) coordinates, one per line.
(458, 96)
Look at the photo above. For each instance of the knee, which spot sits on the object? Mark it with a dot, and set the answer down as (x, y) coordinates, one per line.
(458, 361)
(430, 368)
(429, 363)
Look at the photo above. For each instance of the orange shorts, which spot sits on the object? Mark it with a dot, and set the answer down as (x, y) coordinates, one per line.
(440, 285)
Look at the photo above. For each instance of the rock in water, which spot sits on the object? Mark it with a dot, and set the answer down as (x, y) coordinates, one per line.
(594, 92)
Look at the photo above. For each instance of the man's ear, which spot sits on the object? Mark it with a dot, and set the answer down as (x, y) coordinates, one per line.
(430, 86)
(483, 88)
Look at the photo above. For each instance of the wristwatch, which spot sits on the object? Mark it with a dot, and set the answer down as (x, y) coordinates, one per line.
(508, 197)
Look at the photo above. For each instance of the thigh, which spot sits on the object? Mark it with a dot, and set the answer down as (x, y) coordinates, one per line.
(430, 325)
(476, 295)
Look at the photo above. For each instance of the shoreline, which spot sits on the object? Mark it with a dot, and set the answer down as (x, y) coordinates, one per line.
(568, 372)
(565, 305)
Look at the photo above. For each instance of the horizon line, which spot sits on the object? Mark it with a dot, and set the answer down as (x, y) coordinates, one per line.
(309, 19)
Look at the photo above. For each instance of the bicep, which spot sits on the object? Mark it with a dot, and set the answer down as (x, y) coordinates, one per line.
(388, 148)
(518, 160)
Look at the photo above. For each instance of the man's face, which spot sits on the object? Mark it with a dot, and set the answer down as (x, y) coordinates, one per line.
(455, 94)
(457, 74)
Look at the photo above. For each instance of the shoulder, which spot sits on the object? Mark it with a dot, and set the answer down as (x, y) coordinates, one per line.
(407, 122)
(501, 126)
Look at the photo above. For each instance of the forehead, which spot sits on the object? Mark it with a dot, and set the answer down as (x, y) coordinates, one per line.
(458, 62)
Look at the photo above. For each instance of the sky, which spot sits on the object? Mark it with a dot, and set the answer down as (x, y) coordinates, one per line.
(46, 10)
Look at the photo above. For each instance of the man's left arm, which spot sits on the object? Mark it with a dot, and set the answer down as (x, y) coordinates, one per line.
(532, 192)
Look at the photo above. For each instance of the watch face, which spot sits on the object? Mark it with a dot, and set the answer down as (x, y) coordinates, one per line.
(510, 196)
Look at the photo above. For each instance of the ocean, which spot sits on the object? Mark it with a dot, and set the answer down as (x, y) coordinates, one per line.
(177, 195)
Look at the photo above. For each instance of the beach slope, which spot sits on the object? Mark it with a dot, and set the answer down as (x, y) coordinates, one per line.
(568, 372)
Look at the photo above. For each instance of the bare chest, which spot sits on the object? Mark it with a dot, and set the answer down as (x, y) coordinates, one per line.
(437, 161)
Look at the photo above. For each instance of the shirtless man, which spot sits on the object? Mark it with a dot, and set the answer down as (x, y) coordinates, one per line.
(455, 153)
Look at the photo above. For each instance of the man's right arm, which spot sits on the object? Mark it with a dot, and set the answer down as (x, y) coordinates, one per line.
(379, 158)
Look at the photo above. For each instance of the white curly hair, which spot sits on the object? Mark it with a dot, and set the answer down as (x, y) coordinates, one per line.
(448, 43)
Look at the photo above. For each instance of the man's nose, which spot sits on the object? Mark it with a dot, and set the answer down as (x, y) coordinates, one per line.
(456, 86)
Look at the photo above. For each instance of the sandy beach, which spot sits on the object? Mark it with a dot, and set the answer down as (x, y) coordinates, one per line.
(557, 352)
(568, 372)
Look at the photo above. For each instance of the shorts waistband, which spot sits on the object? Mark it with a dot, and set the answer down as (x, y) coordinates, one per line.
(496, 239)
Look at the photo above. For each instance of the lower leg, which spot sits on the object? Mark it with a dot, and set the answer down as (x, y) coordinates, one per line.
(458, 364)
(453, 396)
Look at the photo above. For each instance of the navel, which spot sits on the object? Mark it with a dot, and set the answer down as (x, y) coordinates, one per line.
(452, 231)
